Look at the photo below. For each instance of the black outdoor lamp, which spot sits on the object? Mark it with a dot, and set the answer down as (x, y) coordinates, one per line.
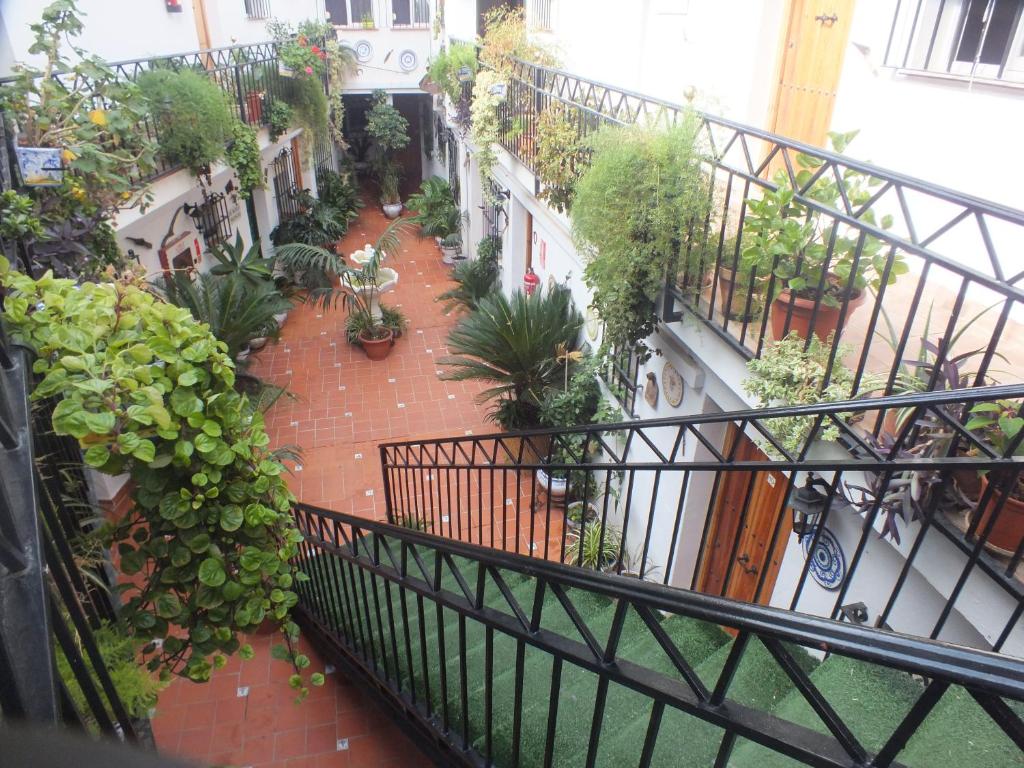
(807, 503)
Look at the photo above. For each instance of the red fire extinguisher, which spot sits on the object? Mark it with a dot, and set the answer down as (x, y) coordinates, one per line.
(530, 281)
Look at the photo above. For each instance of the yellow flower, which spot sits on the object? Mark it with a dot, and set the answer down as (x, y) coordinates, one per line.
(69, 156)
(98, 117)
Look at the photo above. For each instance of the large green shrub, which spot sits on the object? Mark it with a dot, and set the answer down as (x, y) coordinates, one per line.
(306, 97)
(149, 391)
(193, 120)
(444, 68)
(514, 345)
(634, 209)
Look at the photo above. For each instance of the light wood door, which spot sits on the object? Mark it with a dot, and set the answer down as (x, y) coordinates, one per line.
(813, 47)
(746, 509)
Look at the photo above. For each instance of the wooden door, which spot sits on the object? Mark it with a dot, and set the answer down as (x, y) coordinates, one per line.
(811, 60)
(746, 509)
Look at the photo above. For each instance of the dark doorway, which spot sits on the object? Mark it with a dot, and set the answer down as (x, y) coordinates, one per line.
(483, 6)
(410, 105)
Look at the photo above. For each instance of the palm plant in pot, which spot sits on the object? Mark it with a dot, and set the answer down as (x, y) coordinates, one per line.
(818, 266)
(370, 324)
(435, 210)
(512, 344)
(450, 246)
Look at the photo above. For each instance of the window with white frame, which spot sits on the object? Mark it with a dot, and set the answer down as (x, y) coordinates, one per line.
(350, 13)
(410, 13)
(539, 14)
(977, 39)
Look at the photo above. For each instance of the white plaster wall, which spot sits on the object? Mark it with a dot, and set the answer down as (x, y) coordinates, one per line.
(229, 25)
(966, 138)
(382, 69)
(113, 30)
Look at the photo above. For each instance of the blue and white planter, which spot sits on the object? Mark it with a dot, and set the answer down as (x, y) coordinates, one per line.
(40, 166)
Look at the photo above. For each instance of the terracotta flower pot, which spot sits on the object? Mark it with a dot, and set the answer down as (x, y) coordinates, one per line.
(254, 107)
(377, 348)
(740, 293)
(825, 323)
(1008, 530)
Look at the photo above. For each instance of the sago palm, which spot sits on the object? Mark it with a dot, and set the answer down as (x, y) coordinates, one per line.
(513, 344)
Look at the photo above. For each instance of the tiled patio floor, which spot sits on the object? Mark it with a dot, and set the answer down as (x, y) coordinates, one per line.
(346, 405)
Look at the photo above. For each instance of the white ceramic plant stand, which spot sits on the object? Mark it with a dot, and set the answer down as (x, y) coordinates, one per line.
(387, 279)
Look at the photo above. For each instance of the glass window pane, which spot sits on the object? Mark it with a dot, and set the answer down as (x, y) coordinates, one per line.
(400, 12)
(362, 10)
(338, 12)
(422, 11)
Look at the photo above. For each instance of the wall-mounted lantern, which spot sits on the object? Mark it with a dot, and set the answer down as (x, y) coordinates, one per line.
(807, 503)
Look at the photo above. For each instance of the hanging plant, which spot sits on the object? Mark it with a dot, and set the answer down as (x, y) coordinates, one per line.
(559, 158)
(193, 119)
(244, 156)
(636, 206)
(507, 38)
(341, 64)
(444, 68)
(485, 130)
(149, 391)
(308, 101)
(280, 120)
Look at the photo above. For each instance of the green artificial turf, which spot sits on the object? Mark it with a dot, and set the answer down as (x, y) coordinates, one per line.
(871, 700)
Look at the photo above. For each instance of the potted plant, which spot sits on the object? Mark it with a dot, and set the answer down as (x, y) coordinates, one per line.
(367, 21)
(630, 249)
(390, 132)
(435, 210)
(596, 547)
(819, 266)
(579, 513)
(371, 325)
(739, 293)
(511, 343)
(473, 281)
(193, 119)
(390, 200)
(793, 372)
(1000, 423)
(450, 246)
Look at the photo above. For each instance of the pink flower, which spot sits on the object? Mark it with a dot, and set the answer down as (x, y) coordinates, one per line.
(309, 70)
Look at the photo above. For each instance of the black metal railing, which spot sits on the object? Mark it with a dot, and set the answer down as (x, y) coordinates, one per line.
(53, 594)
(961, 289)
(707, 502)
(498, 659)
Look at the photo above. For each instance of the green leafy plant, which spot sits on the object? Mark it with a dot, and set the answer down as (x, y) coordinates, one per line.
(793, 372)
(444, 68)
(297, 49)
(392, 319)
(148, 390)
(489, 249)
(194, 122)
(310, 258)
(513, 344)
(390, 179)
(18, 220)
(387, 126)
(560, 157)
(597, 548)
(341, 64)
(473, 281)
(785, 237)
(243, 154)
(507, 38)
(435, 210)
(247, 264)
(485, 128)
(280, 119)
(306, 97)
(454, 240)
(76, 102)
(339, 192)
(643, 195)
(999, 422)
(316, 223)
(136, 687)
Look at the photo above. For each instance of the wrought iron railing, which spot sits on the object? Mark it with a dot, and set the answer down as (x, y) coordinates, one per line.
(51, 601)
(498, 659)
(962, 290)
(707, 502)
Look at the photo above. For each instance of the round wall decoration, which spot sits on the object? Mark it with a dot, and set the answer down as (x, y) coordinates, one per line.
(828, 564)
(364, 51)
(407, 60)
(592, 323)
(672, 384)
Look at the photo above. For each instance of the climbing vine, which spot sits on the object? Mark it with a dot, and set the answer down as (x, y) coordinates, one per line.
(485, 124)
(244, 156)
(147, 390)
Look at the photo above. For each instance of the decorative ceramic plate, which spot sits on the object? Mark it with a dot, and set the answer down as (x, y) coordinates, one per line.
(672, 385)
(593, 323)
(828, 564)
(364, 51)
(407, 60)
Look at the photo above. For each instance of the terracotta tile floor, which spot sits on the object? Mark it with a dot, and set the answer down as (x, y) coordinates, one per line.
(345, 406)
